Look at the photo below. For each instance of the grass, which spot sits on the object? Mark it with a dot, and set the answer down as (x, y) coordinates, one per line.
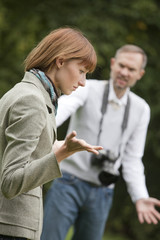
(107, 236)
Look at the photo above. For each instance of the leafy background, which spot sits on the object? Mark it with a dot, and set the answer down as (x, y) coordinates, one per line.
(108, 24)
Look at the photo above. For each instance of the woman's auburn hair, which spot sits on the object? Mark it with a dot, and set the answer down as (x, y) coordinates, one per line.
(67, 43)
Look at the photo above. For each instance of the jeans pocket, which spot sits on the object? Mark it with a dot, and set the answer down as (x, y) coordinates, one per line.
(108, 192)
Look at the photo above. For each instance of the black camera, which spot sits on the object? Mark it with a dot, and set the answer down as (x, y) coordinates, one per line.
(106, 160)
(103, 156)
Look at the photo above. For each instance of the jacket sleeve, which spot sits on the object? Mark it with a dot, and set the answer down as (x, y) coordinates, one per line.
(26, 124)
(68, 104)
(133, 168)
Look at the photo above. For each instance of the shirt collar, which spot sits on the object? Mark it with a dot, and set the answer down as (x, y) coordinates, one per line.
(112, 95)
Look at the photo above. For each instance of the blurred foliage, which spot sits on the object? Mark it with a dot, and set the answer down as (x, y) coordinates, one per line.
(108, 24)
(107, 236)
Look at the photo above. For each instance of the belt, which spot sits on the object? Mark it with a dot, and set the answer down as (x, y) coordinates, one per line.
(93, 184)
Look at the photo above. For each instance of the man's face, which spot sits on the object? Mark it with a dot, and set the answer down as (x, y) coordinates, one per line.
(126, 70)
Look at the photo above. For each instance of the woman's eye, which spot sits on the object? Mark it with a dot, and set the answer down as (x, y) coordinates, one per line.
(81, 71)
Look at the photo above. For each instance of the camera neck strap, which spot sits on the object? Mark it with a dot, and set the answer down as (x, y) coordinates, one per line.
(104, 110)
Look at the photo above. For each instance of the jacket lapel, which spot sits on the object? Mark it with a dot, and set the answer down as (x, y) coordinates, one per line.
(30, 78)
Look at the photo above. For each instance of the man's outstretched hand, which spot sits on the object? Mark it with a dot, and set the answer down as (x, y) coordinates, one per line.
(146, 210)
(71, 145)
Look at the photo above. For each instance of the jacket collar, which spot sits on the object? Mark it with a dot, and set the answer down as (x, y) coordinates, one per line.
(32, 79)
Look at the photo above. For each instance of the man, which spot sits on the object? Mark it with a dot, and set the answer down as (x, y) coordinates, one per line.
(108, 114)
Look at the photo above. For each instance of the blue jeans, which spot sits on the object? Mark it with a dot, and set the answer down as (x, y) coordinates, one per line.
(71, 201)
(3, 237)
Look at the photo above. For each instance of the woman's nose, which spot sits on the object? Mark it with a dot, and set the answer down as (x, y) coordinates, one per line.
(82, 82)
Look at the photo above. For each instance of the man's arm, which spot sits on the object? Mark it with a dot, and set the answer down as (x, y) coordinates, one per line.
(133, 173)
(132, 165)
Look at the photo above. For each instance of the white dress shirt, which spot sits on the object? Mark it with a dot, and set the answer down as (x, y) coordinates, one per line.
(84, 107)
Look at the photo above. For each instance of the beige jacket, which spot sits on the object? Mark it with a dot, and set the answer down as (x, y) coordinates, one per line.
(27, 133)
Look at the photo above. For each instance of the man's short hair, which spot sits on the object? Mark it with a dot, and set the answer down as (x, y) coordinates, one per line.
(133, 49)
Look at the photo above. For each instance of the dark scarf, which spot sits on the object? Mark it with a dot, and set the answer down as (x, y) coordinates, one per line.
(48, 85)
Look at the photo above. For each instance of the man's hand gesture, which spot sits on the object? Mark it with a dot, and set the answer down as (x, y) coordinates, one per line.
(146, 210)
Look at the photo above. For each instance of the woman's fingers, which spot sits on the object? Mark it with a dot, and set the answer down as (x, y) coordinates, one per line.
(75, 144)
(71, 135)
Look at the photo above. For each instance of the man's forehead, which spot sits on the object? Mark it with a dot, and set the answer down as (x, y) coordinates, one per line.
(130, 55)
(130, 58)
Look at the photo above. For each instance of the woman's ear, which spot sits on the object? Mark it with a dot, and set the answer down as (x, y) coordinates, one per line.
(59, 62)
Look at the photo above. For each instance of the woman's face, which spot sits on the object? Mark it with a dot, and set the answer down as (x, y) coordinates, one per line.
(68, 75)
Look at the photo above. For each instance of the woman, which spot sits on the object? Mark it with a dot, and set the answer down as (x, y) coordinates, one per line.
(58, 64)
